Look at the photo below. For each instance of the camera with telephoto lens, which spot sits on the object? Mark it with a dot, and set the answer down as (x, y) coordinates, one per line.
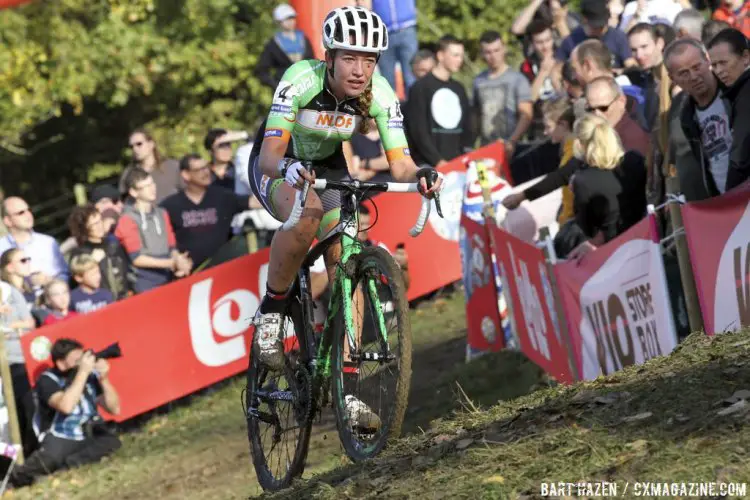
(110, 352)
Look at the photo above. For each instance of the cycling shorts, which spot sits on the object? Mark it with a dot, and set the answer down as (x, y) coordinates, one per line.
(263, 187)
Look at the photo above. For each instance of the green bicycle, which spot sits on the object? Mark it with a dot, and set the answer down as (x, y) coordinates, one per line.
(365, 346)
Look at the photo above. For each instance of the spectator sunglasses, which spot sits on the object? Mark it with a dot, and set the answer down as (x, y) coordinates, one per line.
(601, 109)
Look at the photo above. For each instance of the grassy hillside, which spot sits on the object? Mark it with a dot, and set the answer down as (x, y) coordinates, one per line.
(680, 418)
(201, 451)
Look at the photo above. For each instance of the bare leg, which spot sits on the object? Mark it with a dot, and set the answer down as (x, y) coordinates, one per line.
(288, 248)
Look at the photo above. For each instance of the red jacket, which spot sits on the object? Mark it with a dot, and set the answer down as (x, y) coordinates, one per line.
(739, 20)
(53, 318)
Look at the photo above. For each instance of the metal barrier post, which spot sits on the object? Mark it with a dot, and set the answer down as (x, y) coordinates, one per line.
(79, 191)
(252, 241)
(683, 259)
(10, 399)
(562, 320)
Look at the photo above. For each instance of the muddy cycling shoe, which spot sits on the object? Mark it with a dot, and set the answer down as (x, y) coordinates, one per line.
(268, 339)
(361, 416)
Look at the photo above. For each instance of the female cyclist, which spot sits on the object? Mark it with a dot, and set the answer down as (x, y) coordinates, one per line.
(317, 106)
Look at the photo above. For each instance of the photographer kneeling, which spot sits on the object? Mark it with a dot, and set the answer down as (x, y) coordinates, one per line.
(73, 432)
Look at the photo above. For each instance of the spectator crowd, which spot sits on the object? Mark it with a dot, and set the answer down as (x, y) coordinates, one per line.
(608, 102)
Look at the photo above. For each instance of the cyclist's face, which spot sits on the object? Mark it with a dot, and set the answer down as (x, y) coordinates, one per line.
(352, 71)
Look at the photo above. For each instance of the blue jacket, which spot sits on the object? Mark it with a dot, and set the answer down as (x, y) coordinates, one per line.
(396, 14)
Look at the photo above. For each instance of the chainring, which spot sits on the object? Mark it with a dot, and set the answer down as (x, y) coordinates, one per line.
(303, 407)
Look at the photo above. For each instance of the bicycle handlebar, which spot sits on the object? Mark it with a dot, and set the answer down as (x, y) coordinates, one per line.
(383, 187)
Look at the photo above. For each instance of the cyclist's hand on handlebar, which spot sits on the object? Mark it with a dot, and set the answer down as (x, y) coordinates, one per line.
(297, 174)
(430, 181)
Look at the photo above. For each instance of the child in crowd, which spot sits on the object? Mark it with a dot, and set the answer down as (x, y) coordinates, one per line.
(57, 300)
(89, 295)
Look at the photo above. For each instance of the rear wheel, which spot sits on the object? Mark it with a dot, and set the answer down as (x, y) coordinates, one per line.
(279, 417)
(379, 371)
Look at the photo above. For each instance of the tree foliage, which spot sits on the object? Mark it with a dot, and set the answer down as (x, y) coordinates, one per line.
(467, 19)
(77, 75)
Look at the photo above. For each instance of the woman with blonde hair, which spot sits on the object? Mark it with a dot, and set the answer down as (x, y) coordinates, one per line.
(609, 188)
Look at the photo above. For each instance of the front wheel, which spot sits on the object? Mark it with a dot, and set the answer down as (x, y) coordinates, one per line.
(371, 380)
(278, 412)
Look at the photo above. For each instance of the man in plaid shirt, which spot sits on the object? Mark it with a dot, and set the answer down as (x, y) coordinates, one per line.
(71, 428)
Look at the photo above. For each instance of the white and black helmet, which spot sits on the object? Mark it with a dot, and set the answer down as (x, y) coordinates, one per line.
(355, 28)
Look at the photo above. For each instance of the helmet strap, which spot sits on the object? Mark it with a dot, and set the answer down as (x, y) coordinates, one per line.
(332, 53)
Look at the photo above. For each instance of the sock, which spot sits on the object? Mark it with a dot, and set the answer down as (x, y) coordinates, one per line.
(273, 301)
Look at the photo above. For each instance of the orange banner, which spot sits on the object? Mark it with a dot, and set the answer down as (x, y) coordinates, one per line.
(310, 17)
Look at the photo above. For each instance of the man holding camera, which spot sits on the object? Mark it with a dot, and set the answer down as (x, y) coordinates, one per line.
(72, 431)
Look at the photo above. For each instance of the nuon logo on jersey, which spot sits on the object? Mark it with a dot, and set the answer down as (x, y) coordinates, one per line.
(217, 330)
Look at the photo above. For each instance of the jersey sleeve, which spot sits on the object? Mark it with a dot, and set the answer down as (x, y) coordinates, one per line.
(386, 110)
(285, 104)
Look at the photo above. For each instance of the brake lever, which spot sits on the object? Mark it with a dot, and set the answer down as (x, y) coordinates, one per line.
(435, 196)
(437, 206)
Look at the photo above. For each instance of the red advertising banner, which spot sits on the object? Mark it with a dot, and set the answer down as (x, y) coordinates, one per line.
(524, 275)
(484, 324)
(175, 339)
(434, 258)
(617, 304)
(718, 236)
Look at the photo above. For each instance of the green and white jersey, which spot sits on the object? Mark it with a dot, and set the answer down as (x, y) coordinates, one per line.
(305, 113)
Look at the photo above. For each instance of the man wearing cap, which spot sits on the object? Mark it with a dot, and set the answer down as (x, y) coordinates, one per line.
(288, 46)
(106, 197)
(595, 19)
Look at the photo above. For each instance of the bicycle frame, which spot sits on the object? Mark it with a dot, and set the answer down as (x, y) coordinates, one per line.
(341, 294)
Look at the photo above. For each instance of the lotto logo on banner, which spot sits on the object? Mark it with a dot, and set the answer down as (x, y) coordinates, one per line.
(617, 304)
(718, 235)
(523, 270)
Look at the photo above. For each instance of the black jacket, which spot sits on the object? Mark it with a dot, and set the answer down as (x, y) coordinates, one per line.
(114, 266)
(739, 158)
(650, 86)
(693, 134)
(273, 62)
(610, 201)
